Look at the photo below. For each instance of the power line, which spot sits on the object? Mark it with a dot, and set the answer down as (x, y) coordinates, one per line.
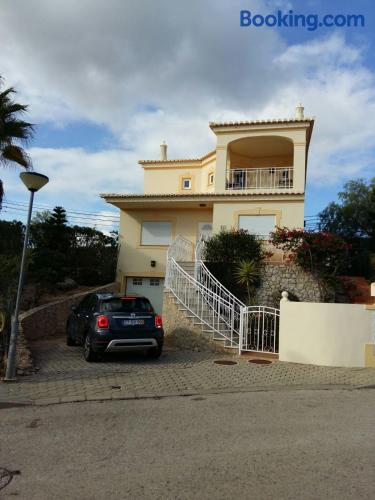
(42, 207)
(107, 225)
(21, 209)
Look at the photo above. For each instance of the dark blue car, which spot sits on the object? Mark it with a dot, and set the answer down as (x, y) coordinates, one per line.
(105, 323)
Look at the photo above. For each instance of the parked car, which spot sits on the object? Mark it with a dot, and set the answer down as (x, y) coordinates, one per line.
(105, 323)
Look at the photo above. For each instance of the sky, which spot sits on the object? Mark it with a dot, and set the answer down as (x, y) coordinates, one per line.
(107, 82)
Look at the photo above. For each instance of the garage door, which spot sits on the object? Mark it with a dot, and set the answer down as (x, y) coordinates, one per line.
(152, 288)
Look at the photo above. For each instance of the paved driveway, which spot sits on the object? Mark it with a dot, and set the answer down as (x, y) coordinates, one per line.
(64, 376)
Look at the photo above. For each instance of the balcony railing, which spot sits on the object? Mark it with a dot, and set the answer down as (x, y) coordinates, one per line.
(260, 178)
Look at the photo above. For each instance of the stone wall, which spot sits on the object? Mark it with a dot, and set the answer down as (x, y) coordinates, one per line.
(181, 332)
(49, 320)
(289, 277)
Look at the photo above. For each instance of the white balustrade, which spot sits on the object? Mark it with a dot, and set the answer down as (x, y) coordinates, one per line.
(275, 178)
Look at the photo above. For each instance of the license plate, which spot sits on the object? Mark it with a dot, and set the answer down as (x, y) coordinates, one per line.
(133, 322)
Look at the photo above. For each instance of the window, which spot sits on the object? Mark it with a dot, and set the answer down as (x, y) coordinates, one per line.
(126, 305)
(137, 281)
(156, 233)
(204, 229)
(261, 225)
(186, 183)
(210, 178)
(154, 282)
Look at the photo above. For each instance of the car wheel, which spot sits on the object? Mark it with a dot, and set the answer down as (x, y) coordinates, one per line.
(70, 341)
(155, 352)
(88, 352)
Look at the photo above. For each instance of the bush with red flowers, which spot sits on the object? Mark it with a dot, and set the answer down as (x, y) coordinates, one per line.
(324, 254)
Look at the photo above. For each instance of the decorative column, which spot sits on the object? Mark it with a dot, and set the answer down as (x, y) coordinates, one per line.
(299, 165)
(221, 167)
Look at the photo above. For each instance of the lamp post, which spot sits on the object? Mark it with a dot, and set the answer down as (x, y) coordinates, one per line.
(33, 181)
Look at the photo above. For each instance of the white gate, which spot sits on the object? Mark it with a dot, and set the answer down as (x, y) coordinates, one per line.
(259, 329)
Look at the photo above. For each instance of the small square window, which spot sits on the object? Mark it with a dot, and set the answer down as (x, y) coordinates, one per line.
(186, 183)
(210, 178)
(137, 281)
(154, 282)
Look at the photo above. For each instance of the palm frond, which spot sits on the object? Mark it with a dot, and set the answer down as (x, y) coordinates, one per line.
(15, 154)
(4, 95)
(14, 107)
(16, 129)
(247, 272)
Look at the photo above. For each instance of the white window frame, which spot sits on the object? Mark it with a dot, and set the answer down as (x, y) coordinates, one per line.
(186, 179)
(154, 281)
(211, 178)
(137, 282)
(149, 236)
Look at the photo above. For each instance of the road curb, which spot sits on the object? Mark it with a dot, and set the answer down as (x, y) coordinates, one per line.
(132, 396)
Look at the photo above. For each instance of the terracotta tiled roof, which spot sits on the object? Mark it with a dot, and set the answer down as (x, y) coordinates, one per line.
(261, 122)
(179, 160)
(196, 195)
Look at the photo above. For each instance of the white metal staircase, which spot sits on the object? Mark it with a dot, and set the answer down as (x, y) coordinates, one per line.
(209, 304)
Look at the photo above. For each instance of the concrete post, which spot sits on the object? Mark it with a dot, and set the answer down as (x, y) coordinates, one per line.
(284, 297)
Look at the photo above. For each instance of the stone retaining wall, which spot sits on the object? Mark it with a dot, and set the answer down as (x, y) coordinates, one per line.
(181, 332)
(49, 320)
(289, 277)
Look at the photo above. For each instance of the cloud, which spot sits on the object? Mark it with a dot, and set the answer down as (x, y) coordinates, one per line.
(151, 71)
(329, 76)
(106, 60)
(77, 177)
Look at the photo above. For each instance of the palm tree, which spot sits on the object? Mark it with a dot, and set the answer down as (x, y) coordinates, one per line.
(247, 273)
(13, 132)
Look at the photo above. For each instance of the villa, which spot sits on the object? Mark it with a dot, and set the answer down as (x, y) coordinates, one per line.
(254, 179)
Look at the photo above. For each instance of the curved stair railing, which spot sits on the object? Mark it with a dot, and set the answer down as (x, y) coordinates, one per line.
(247, 328)
(202, 303)
(204, 276)
(210, 308)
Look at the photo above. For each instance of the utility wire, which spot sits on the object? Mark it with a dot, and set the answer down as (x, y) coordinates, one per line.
(45, 207)
(89, 218)
(49, 209)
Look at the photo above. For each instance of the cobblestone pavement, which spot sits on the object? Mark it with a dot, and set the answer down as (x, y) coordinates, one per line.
(64, 376)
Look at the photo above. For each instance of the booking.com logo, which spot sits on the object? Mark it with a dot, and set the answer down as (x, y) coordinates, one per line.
(310, 21)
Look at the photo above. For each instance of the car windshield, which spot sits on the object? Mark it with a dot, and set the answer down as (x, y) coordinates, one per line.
(127, 304)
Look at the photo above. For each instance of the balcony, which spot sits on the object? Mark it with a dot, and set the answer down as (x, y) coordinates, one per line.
(272, 178)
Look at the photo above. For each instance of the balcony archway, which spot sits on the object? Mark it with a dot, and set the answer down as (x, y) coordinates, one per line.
(264, 162)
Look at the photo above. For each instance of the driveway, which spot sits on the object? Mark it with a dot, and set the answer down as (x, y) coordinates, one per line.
(64, 376)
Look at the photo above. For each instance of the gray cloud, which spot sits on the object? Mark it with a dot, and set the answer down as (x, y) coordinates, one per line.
(107, 60)
(153, 70)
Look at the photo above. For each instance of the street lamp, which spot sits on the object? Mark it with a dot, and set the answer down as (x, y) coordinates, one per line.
(33, 181)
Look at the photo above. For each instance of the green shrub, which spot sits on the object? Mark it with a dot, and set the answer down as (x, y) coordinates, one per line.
(223, 253)
(324, 255)
(232, 247)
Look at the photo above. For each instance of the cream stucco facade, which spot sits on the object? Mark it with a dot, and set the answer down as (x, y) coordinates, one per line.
(257, 170)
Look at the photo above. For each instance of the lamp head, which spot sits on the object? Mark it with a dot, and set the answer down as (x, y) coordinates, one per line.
(33, 181)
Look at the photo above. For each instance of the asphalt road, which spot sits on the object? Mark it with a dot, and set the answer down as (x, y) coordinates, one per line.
(257, 445)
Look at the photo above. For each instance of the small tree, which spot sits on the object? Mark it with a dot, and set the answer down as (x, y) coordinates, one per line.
(225, 251)
(51, 241)
(248, 274)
